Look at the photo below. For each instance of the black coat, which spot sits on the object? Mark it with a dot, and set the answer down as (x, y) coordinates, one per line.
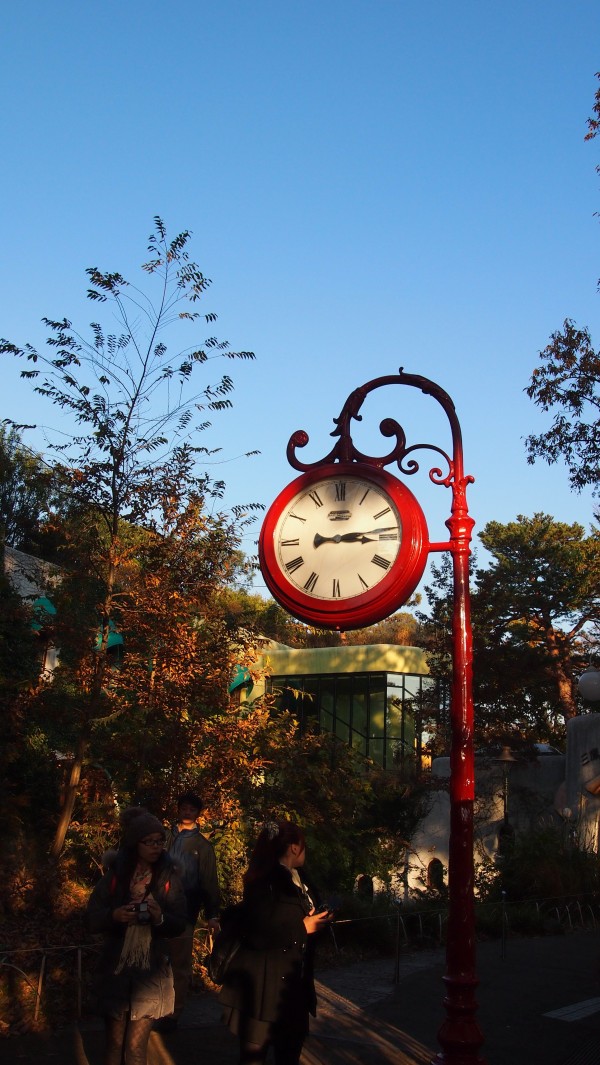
(198, 866)
(271, 979)
(148, 993)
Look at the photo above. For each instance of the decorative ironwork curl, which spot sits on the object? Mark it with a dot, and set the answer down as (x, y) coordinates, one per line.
(436, 474)
(344, 450)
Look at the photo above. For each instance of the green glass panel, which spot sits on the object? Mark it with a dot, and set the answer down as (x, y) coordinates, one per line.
(343, 700)
(376, 751)
(377, 705)
(327, 704)
(360, 720)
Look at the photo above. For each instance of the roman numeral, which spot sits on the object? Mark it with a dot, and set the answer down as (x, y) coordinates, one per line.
(340, 491)
(316, 498)
(386, 510)
(295, 564)
(290, 543)
(388, 536)
(361, 501)
(377, 560)
(363, 582)
(336, 594)
(312, 580)
(296, 516)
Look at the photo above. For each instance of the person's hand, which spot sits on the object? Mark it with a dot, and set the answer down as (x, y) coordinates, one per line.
(314, 922)
(156, 915)
(125, 914)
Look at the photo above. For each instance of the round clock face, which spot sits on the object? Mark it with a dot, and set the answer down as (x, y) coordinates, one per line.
(341, 543)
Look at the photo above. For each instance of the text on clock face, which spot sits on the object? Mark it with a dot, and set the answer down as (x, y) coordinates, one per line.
(325, 562)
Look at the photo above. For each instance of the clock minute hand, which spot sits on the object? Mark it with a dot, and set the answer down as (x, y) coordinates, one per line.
(377, 532)
(352, 537)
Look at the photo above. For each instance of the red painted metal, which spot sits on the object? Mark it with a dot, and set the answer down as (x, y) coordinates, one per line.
(460, 1037)
(378, 602)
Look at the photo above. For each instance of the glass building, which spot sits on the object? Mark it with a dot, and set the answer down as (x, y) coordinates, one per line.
(371, 697)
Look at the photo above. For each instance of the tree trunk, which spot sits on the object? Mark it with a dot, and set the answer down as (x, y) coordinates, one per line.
(565, 695)
(71, 791)
(564, 683)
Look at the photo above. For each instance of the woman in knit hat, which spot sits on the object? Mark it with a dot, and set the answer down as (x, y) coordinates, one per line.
(137, 905)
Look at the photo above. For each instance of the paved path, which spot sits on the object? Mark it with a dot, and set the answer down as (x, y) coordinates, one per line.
(540, 1004)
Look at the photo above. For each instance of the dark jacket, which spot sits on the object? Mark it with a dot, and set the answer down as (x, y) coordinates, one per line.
(270, 978)
(113, 992)
(195, 857)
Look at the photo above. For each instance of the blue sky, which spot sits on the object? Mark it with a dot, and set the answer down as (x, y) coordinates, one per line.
(369, 184)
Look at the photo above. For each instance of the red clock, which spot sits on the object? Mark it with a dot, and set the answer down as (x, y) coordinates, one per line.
(343, 546)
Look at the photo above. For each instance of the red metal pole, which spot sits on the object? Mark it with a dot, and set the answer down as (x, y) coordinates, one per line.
(459, 1035)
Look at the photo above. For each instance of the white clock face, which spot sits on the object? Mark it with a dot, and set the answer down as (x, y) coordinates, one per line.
(338, 538)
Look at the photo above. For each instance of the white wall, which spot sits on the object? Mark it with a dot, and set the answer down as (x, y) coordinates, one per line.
(534, 790)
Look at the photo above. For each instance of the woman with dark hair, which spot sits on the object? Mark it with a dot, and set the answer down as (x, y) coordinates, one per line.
(137, 905)
(268, 990)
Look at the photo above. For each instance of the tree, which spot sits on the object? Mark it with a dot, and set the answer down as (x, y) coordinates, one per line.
(130, 463)
(19, 662)
(26, 492)
(28, 786)
(568, 383)
(179, 653)
(400, 628)
(265, 618)
(533, 611)
(540, 595)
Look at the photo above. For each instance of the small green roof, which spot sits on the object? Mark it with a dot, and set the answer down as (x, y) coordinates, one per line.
(114, 638)
(43, 610)
(241, 679)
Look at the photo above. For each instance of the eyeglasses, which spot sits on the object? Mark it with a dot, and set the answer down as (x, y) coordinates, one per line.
(153, 842)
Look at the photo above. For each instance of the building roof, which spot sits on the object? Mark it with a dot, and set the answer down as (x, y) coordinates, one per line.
(349, 658)
(29, 576)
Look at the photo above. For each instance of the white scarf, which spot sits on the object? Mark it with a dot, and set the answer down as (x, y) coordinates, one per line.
(135, 953)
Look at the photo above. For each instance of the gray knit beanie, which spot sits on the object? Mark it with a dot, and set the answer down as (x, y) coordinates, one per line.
(137, 822)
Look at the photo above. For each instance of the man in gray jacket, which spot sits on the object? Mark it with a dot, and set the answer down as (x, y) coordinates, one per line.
(196, 863)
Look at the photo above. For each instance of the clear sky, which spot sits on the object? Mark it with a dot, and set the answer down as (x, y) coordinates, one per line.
(370, 183)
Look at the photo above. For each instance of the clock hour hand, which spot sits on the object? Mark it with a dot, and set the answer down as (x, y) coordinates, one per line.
(353, 537)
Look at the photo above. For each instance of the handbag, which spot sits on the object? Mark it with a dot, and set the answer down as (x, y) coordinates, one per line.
(226, 943)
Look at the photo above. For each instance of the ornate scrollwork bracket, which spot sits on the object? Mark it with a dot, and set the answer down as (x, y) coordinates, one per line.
(344, 449)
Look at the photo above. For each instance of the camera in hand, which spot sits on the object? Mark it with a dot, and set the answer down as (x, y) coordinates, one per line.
(143, 915)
